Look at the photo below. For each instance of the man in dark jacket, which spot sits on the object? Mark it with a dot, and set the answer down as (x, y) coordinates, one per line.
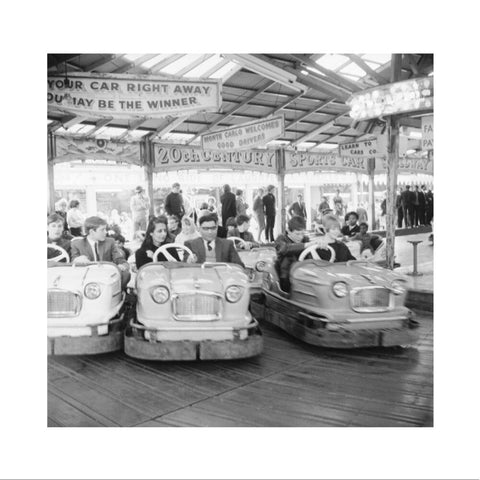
(429, 207)
(399, 207)
(407, 198)
(421, 209)
(174, 202)
(289, 246)
(298, 208)
(228, 201)
(270, 212)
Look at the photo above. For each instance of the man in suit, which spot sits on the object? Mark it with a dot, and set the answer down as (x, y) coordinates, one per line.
(270, 211)
(96, 247)
(422, 202)
(229, 205)
(400, 208)
(297, 208)
(407, 199)
(210, 248)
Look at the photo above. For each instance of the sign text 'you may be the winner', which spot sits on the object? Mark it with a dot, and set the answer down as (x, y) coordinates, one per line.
(126, 95)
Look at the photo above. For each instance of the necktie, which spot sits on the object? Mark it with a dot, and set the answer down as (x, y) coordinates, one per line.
(97, 255)
(209, 246)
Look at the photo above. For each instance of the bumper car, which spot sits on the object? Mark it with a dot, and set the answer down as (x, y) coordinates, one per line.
(339, 305)
(192, 312)
(256, 261)
(86, 307)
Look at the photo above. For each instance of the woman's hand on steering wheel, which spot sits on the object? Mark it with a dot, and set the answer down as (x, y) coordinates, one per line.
(170, 258)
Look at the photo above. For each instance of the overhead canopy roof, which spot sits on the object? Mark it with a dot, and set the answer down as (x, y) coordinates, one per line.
(312, 99)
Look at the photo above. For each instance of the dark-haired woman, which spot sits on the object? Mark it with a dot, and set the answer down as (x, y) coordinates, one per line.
(156, 236)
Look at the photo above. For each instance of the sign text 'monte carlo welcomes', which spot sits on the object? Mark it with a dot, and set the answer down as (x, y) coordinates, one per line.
(125, 96)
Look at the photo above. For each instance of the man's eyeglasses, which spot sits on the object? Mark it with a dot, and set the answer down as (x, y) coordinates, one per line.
(209, 228)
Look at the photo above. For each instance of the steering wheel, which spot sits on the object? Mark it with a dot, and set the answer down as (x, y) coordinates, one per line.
(164, 251)
(63, 253)
(312, 250)
(243, 243)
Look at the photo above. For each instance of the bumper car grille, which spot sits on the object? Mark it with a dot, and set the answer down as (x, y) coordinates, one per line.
(197, 307)
(63, 303)
(371, 299)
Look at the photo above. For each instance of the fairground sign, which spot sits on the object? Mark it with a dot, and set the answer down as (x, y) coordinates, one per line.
(69, 148)
(427, 133)
(367, 148)
(178, 157)
(124, 96)
(306, 161)
(245, 136)
(407, 165)
(406, 96)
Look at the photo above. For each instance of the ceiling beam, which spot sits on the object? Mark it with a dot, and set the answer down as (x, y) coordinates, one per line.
(288, 102)
(73, 121)
(98, 63)
(322, 86)
(133, 125)
(235, 109)
(168, 127)
(336, 134)
(55, 59)
(317, 131)
(165, 62)
(53, 126)
(425, 64)
(310, 82)
(194, 64)
(101, 123)
(367, 69)
(316, 109)
(332, 76)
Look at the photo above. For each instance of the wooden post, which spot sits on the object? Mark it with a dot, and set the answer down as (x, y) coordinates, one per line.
(308, 205)
(371, 192)
(50, 173)
(147, 160)
(282, 208)
(392, 166)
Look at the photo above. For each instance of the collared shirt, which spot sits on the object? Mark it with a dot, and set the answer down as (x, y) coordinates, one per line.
(92, 244)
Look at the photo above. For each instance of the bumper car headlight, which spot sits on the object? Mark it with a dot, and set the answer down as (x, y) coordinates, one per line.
(160, 294)
(260, 266)
(92, 291)
(398, 287)
(234, 293)
(340, 289)
(251, 274)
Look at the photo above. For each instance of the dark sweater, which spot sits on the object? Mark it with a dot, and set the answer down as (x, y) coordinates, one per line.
(174, 204)
(141, 256)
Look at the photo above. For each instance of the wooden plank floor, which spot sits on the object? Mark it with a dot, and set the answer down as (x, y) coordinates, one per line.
(290, 384)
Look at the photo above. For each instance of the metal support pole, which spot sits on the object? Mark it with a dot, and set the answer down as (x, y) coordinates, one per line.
(371, 192)
(393, 135)
(281, 191)
(50, 173)
(415, 272)
(147, 161)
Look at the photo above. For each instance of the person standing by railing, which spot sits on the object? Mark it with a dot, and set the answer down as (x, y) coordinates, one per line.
(270, 212)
